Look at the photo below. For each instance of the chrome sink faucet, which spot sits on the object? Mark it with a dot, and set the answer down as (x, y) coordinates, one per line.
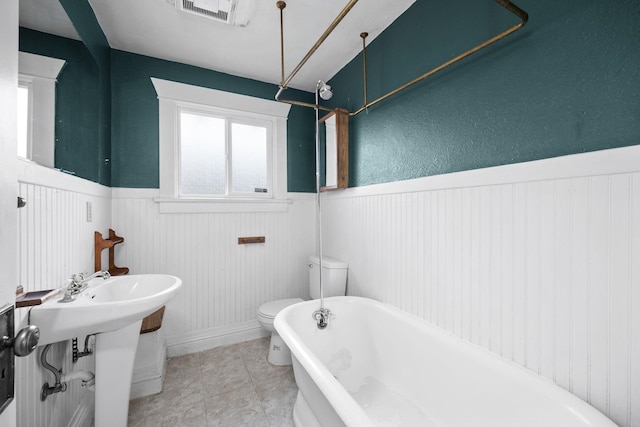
(79, 283)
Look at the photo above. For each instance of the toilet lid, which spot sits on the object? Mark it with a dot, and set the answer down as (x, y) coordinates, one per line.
(272, 308)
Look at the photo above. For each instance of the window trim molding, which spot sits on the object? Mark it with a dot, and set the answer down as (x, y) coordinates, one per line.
(171, 96)
(25, 81)
(41, 72)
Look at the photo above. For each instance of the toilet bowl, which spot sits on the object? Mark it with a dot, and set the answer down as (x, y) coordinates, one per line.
(279, 353)
(334, 273)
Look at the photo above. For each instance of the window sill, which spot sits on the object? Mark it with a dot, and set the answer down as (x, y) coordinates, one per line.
(184, 205)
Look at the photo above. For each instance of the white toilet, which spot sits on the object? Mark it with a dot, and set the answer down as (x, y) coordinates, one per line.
(334, 277)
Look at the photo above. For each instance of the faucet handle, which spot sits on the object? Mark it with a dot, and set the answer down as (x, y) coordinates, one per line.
(79, 277)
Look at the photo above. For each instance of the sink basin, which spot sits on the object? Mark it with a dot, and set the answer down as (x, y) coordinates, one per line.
(106, 305)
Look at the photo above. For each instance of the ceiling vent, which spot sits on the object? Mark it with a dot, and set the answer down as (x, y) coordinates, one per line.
(219, 10)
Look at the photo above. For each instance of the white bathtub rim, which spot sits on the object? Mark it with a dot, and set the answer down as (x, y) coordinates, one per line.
(339, 398)
(335, 393)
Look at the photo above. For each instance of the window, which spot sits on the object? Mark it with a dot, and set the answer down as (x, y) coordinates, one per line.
(36, 107)
(223, 156)
(220, 151)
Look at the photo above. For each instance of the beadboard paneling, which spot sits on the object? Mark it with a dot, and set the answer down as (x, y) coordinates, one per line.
(535, 263)
(543, 271)
(224, 283)
(54, 241)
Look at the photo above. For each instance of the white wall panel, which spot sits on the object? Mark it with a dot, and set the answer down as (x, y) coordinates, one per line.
(537, 262)
(54, 241)
(224, 283)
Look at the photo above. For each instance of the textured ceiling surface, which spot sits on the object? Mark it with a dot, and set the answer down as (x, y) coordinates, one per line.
(250, 49)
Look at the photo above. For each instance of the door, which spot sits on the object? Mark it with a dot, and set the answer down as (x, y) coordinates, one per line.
(8, 179)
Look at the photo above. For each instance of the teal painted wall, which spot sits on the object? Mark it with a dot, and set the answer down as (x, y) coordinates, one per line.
(131, 139)
(134, 132)
(86, 25)
(78, 119)
(568, 82)
(84, 21)
(83, 93)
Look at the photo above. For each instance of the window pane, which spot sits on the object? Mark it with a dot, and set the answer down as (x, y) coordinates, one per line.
(249, 158)
(23, 120)
(202, 154)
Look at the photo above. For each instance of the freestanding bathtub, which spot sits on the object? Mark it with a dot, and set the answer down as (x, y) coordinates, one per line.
(375, 365)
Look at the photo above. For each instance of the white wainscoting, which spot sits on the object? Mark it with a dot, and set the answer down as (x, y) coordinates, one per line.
(54, 241)
(538, 262)
(224, 283)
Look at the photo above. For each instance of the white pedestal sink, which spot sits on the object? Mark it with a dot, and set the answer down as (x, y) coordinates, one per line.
(113, 309)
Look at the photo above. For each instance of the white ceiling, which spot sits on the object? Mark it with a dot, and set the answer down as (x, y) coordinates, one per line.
(157, 28)
(46, 16)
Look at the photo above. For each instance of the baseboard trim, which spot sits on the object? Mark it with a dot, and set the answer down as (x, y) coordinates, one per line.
(83, 415)
(179, 345)
(147, 387)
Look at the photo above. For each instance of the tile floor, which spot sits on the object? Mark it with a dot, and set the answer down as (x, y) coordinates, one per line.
(228, 386)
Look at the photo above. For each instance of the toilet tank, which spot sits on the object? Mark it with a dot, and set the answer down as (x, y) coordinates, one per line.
(334, 276)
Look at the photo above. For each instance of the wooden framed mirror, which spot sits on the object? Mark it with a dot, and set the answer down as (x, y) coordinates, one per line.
(336, 150)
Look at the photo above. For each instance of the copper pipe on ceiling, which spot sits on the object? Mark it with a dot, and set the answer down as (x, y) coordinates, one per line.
(521, 14)
(323, 37)
(506, 4)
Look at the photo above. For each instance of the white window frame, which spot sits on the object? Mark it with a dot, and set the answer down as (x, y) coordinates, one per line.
(173, 96)
(40, 73)
(26, 82)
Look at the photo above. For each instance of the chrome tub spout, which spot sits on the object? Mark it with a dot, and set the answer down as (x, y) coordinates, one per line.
(321, 317)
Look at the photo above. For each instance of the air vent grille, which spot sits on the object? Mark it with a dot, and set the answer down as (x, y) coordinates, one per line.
(220, 10)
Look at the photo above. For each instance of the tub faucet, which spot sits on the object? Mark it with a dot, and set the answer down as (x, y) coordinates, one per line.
(321, 316)
(79, 283)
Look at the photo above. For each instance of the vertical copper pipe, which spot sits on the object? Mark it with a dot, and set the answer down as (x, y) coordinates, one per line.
(364, 65)
(281, 5)
(524, 16)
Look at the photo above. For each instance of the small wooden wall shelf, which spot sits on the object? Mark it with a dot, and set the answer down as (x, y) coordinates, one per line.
(152, 322)
(102, 244)
(27, 299)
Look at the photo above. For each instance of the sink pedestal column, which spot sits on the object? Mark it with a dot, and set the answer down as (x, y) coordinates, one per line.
(115, 355)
